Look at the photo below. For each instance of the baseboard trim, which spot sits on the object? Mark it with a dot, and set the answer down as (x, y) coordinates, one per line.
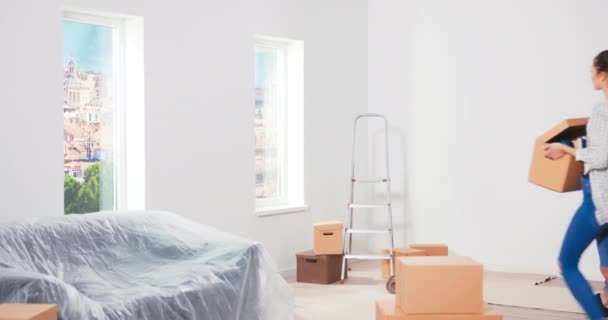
(529, 269)
(288, 274)
(591, 274)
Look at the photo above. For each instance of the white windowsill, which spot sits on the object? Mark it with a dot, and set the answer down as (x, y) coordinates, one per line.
(272, 211)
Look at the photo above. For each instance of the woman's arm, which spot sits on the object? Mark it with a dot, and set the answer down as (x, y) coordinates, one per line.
(595, 155)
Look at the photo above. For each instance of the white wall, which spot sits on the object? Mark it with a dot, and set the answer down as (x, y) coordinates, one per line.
(199, 108)
(216, 146)
(31, 134)
(468, 86)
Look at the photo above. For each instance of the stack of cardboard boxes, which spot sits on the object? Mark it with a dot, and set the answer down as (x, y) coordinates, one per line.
(436, 288)
(322, 265)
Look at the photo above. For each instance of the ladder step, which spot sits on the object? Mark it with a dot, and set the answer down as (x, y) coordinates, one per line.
(368, 206)
(370, 180)
(368, 256)
(367, 231)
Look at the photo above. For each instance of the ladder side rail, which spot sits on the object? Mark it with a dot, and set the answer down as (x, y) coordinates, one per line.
(388, 197)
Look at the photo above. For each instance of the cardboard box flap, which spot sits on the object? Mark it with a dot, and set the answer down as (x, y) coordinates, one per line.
(329, 225)
(568, 129)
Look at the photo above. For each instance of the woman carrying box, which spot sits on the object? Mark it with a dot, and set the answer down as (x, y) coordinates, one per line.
(590, 221)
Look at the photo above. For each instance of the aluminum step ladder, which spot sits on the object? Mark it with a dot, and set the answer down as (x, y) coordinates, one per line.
(349, 230)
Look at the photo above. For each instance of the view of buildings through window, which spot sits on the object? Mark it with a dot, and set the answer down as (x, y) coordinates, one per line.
(269, 108)
(88, 117)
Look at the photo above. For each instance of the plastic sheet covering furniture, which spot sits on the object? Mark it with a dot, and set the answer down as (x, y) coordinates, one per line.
(139, 265)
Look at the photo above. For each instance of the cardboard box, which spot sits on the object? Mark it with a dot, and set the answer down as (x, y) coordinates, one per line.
(398, 252)
(439, 285)
(562, 175)
(432, 249)
(328, 237)
(28, 312)
(319, 269)
(387, 309)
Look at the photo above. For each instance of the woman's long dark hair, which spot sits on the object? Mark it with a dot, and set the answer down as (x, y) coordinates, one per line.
(600, 62)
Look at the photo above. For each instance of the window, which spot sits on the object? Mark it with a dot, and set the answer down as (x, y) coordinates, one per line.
(270, 126)
(95, 112)
(278, 124)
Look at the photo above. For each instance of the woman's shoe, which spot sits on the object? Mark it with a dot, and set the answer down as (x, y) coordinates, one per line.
(604, 309)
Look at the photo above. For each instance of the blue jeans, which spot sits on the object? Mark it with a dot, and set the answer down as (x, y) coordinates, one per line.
(583, 229)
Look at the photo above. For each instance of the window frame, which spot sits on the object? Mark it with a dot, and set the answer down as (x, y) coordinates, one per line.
(119, 96)
(291, 138)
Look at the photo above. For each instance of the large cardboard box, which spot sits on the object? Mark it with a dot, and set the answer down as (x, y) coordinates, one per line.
(562, 175)
(432, 249)
(387, 309)
(439, 285)
(398, 252)
(28, 312)
(328, 237)
(319, 269)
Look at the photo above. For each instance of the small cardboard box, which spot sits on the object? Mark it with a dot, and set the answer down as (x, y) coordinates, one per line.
(398, 252)
(439, 285)
(28, 312)
(319, 269)
(562, 175)
(432, 249)
(328, 237)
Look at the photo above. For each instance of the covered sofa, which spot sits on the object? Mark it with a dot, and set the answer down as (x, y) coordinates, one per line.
(139, 265)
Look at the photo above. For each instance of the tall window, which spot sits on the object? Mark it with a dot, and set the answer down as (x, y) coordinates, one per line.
(103, 122)
(90, 100)
(270, 107)
(278, 122)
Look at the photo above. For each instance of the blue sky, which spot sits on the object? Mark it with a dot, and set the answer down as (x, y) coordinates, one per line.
(90, 44)
(264, 61)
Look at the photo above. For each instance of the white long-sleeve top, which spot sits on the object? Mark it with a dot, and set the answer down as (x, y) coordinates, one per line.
(595, 159)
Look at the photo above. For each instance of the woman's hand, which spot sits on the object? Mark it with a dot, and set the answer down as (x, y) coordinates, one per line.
(555, 150)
